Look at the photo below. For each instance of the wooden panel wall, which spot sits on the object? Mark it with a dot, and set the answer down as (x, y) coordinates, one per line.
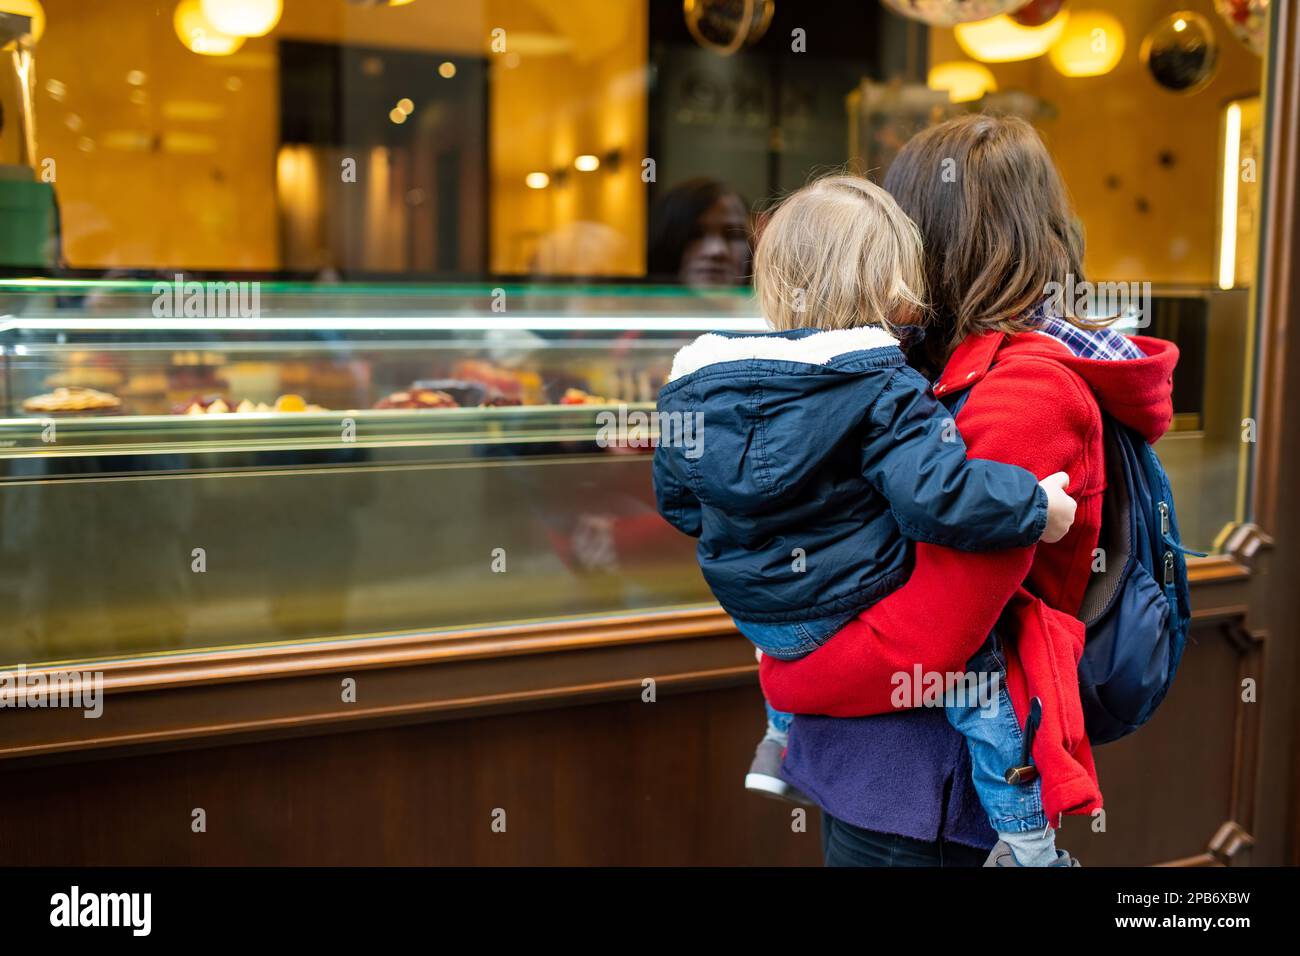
(606, 784)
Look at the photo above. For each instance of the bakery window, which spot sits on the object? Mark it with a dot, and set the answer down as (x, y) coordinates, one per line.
(339, 465)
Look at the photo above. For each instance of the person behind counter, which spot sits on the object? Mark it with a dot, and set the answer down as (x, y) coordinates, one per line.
(700, 236)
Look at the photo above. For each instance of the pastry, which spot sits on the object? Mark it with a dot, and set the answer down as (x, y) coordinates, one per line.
(576, 396)
(463, 392)
(145, 383)
(417, 398)
(500, 380)
(198, 405)
(448, 393)
(217, 405)
(73, 398)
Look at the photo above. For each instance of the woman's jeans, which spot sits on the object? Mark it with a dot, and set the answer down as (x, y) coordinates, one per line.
(843, 844)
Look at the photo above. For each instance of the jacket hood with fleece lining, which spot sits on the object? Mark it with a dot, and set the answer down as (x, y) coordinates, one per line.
(773, 407)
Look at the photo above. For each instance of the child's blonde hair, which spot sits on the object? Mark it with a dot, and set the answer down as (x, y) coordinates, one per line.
(838, 254)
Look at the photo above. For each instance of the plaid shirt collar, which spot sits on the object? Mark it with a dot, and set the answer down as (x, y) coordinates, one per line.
(1101, 344)
(975, 354)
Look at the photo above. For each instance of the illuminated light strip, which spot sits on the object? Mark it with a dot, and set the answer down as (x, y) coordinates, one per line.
(1231, 175)
(466, 323)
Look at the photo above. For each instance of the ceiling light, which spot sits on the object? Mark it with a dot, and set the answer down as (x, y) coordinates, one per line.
(1002, 40)
(243, 18)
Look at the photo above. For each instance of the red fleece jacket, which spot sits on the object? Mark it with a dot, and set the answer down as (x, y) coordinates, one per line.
(1036, 405)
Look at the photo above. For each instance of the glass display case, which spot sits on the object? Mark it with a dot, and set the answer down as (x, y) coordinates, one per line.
(344, 463)
(363, 460)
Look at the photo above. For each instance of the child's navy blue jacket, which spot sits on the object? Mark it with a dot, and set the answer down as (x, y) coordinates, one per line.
(817, 455)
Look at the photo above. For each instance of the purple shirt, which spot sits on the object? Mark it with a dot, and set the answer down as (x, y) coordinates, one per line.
(907, 773)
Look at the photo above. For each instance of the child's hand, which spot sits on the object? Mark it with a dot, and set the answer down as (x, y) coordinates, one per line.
(1060, 507)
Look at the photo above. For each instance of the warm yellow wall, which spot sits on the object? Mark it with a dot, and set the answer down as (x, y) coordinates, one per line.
(198, 191)
(156, 187)
(1118, 124)
(589, 98)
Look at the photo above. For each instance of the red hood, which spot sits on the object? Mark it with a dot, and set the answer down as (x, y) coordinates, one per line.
(1137, 392)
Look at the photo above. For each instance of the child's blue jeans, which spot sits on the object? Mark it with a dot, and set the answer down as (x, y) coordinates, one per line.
(995, 739)
(986, 718)
(790, 641)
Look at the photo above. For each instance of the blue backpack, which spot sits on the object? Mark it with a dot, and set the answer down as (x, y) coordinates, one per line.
(1137, 607)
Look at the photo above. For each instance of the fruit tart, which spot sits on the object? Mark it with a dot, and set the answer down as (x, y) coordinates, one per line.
(71, 399)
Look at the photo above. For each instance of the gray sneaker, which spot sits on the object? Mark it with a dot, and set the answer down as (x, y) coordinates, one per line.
(764, 775)
(1001, 855)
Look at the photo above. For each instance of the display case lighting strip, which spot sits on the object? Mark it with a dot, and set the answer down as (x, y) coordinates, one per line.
(468, 323)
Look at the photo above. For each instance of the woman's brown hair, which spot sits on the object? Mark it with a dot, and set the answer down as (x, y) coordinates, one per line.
(996, 222)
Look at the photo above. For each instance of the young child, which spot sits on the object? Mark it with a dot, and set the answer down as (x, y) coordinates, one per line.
(821, 453)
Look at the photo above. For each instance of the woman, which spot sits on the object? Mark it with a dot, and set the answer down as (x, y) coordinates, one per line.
(700, 236)
(895, 789)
